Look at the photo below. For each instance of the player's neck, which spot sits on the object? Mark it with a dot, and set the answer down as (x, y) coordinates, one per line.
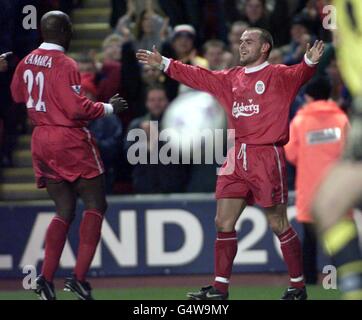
(55, 42)
(258, 65)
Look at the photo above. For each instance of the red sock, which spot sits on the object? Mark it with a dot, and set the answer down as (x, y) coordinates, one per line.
(292, 253)
(54, 244)
(226, 247)
(89, 235)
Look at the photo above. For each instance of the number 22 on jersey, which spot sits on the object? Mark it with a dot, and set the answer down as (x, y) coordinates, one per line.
(39, 81)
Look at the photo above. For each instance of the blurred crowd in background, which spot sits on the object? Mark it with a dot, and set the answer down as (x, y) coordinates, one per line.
(198, 32)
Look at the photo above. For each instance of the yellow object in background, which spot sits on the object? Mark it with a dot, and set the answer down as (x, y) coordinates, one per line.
(349, 50)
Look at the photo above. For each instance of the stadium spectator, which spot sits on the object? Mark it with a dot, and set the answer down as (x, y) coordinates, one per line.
(110, 68)
(182, 47)
(300, 37)
(313, 12)
(317, 137)
(155, 178)
(146, 29)
(122, 7)
(88, 70)
(256, 14)
(272, 16)
(276, 56)
(213, 53)
(107, 132)
(151, 76)
(111, 48)
(339, 91)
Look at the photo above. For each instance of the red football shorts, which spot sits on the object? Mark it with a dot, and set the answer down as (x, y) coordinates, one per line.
(62, 153)
(258, 176)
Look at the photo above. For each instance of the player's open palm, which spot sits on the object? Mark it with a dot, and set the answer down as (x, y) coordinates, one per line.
(152, 58)
(315, 53)
(118, 104)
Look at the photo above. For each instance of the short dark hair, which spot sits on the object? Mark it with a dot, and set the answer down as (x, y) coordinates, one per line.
(265, 37)
(319, 88)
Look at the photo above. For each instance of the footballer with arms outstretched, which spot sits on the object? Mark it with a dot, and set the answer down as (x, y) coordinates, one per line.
(256, 97)
(66, 159)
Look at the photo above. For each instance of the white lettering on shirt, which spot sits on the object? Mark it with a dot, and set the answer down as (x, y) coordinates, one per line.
(245, 110)
(38, 60)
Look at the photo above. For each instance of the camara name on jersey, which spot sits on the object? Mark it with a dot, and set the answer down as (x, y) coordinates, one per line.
(38, 60)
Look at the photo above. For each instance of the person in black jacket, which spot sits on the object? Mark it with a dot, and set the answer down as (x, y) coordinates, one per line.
(155, 178)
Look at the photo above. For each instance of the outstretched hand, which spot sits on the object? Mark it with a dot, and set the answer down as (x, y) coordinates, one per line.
(3, 61)
(118, 104)
(152, 58)
(315, 53)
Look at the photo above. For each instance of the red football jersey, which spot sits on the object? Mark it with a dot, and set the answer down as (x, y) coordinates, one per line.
(49, 83)
(256, 100)
(62, 148)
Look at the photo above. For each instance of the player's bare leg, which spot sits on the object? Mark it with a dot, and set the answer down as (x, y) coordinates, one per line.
(291, 249)
(341, 191)
(64, 198)
(227, 214)
(92, 193)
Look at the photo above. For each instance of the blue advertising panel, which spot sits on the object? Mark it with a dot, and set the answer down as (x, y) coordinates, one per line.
(142, 237)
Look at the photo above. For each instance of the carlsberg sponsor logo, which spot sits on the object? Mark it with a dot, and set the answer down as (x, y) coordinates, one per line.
(245, 110)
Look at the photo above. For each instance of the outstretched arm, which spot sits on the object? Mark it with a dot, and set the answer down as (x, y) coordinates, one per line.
(298, 74)
(77, 106)
(198, 78)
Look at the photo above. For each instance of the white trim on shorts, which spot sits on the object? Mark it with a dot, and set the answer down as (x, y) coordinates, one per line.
(93, 150)
(280, 171)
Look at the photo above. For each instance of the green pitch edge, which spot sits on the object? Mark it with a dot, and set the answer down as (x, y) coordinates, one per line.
(236, 293)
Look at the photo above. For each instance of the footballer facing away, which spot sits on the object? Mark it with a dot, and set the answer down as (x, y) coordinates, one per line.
(256, 97)
(66, 160)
